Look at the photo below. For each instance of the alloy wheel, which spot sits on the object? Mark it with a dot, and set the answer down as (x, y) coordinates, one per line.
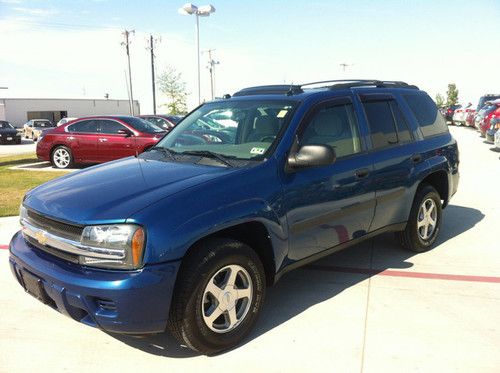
(61, 158)
(227, 298)
(427, 219)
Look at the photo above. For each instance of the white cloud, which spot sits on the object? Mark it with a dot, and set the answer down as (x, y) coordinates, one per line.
(35, 11)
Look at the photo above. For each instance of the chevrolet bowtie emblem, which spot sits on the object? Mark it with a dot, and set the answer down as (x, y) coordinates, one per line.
(41, 237)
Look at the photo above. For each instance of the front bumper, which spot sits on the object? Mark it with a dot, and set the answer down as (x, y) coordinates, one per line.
(135, 302)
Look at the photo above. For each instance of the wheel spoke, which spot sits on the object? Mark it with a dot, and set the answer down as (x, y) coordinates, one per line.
(244, 293)
(231, 276)
(429, 211)
(213, 316)
(432, 221)
(232, 316)
(424, 235)
(213, 289)
(421, 223)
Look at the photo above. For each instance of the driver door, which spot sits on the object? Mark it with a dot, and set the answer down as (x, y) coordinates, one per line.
(327, 206)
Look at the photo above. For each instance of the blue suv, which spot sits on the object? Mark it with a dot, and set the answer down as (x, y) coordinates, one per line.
(187, 235)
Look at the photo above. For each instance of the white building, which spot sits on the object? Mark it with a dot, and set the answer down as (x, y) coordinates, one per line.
(18, 111)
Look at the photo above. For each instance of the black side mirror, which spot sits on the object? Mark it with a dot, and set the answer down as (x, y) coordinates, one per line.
(311, 156)
(125, 132)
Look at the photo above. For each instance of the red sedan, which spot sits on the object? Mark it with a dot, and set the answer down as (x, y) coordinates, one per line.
(97, 140)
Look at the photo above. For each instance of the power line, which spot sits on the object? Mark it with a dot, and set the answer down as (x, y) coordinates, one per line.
(211, 68)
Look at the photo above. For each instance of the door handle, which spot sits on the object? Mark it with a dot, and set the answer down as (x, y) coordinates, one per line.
(103, 140)
(362, 172)
(416, 158)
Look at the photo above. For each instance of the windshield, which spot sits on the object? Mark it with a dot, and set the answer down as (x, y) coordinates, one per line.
(237, 129)
(4, 125)
(42, 123)
(142, 125)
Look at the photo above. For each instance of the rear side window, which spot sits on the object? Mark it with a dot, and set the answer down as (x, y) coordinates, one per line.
(401, 124)
(85, 126)
(381, 122)
(427, 115)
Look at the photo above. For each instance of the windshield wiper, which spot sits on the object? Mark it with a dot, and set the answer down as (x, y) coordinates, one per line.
(209, 154)
(169, 153)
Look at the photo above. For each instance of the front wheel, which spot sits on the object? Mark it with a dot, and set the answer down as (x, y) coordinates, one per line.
(219, 294)
(424, 222)
(61, 157)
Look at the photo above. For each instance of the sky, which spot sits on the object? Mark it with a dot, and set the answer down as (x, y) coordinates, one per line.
(72, 49)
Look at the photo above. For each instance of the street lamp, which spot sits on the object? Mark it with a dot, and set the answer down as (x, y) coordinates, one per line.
(202, 11)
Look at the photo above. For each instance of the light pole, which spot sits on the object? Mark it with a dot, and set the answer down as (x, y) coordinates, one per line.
(189, 9)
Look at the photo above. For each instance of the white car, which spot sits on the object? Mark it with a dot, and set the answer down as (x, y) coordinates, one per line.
(460, 114)
(64, 121)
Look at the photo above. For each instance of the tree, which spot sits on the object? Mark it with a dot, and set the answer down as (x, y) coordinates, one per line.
(440, 100)
(451, 95)
(171, 85)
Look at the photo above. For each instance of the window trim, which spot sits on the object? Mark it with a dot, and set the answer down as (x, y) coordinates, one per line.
(331, 101)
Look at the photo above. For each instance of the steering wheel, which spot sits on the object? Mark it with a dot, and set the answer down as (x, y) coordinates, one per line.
(270, 137)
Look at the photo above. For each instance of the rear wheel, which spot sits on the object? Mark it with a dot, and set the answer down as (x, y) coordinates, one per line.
(218, 296)
(61, 157)
(424, 222)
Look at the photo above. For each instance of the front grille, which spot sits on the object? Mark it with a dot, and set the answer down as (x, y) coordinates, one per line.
(52, 251)
(72, 232)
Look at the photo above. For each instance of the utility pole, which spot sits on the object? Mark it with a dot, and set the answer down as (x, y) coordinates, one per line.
(126, 43)
(344, 65)
(151, 48)
(211, 68)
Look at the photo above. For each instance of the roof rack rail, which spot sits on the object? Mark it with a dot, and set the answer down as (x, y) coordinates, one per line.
(269, 90)
(291, 89)
(352, 83)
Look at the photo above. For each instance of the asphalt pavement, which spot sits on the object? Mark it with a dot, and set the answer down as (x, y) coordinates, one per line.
(371, 308)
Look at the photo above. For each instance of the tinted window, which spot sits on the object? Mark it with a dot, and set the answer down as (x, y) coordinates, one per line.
(335, 126)
(427, 115)
(381, 122)
(401, 125)
(142, 125)
(85, 126)
(39, 123)
(110, 126)
(160, 122)
(4, 125)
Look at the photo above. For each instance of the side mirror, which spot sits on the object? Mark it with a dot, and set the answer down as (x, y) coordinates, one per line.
(125, 132)
(312, 156)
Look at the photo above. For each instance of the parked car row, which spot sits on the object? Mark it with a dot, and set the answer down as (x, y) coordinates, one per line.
(485, 118)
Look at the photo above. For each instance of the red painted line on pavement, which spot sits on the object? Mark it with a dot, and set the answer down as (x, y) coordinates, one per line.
(395, 273)
(4, 247)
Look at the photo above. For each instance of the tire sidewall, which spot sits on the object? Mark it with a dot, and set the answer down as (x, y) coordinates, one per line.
(195, 328)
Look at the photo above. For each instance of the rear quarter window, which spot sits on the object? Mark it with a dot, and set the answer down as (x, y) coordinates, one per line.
(427, 115)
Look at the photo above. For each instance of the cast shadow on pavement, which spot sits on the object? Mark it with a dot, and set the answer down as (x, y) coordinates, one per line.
(312, 284)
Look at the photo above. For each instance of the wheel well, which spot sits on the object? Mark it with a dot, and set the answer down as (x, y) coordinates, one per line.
(439, 180)
(255, 235)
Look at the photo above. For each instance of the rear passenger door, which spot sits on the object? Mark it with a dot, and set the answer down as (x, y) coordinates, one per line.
(394, 157)
(112, 144)
(81, 138)
(327, 206)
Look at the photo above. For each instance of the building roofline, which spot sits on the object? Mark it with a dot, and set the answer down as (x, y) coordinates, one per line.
(66, 99)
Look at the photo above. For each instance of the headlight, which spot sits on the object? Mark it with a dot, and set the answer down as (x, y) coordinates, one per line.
(128, 238)
(23, 213)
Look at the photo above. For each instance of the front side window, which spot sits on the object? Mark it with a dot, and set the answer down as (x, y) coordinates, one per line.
(84, 126)
(110, 127)
(44, 124)
(242, 129)
(335, 126)
(142, 125)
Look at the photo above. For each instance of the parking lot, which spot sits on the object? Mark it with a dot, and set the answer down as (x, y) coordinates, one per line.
(371, 308)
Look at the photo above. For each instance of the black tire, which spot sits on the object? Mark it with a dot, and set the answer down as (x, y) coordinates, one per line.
(58, 164)
(186, 321)
(410, 238)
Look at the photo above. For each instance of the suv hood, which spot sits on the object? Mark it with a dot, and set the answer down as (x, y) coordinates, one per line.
(113, 191)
